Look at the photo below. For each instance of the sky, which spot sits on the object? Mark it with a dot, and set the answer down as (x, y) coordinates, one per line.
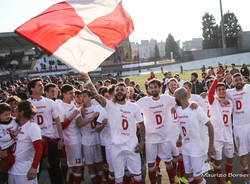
(153, 19)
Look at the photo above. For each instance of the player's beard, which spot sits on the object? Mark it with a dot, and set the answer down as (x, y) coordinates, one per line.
(155, 94)
(239, 86)
(120, 99)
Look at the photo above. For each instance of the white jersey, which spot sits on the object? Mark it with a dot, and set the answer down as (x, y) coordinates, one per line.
(191, 127)
(157, 117)
(105, 134)
(221, 120)
(71, 133)
(123, 120)
(5, 139)
(241, 101)
(47, 111)
(203, 103)
(89, 134)
(24, 152)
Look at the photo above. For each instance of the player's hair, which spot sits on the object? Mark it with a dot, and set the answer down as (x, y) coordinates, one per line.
(194, 74)
(121, 84)
(78, 92)
(220, 84)
(28, 109)
(132, 82)
(107, 81)
(189, 84)
(32, 84)
(100, 82)
(103, 90)
(85, 91)
(209, 81)
(237, 75)
(172, 79)
(12, 99)
(49, 85)
(4, 107)
(111, 89)
(155, 81)
(66, 88)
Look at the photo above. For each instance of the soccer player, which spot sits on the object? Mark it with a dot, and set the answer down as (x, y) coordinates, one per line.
(240, 95)
(157, 116)
(71, 133)
(8, 133)
(90, 138)
(172, 86)
(192, 136)
(28, 150)
(78, 99)
(123, 116)
(103, 126)
(221, 120)
(47, 112)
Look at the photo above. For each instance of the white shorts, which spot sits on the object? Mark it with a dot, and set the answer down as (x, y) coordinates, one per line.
(74, 155)
(163, 150)
(226, 147)
(122, 159)
(193, 164)
(20, 179)
(108, 157)
(92, 154)
(242, 139)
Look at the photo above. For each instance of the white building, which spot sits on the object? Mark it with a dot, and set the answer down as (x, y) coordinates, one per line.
(194, 44)
(146, 49)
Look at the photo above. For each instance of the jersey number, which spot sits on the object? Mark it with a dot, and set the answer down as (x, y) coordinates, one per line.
(78, 160)
(208, 113)
(238, 105)
(225, 119)
(184, 131)
(175, 116)
(39, 119)
(158, 119)
(124, 124)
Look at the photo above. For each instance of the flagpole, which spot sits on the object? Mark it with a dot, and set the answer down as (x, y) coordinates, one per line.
(222, 30)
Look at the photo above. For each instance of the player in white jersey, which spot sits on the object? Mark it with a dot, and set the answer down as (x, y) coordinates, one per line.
(192, 136)
(46, 113)
(90, 138)
(103, 126)
(195, 98)
(28, 149)
(223, 136)
(71, 133)
(158, 123)
(123, 116)
(175, 131)
(8, 132)
(240, 95)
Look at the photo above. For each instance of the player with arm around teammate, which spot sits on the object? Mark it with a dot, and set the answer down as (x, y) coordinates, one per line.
(192, 136)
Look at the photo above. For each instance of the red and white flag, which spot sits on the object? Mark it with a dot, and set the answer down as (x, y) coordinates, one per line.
(80, 33)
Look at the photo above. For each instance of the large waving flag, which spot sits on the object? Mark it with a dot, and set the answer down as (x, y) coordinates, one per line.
(80, 33)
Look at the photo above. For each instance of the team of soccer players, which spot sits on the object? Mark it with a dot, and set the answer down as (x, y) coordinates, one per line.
(90, 127)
